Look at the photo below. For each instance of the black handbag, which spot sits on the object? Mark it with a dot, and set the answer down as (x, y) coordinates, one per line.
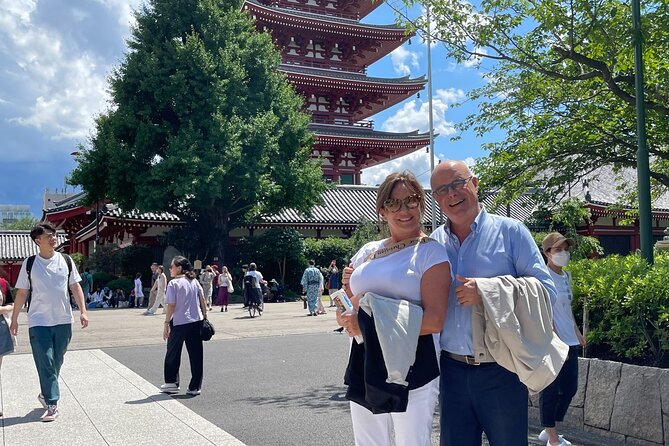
(207, 330)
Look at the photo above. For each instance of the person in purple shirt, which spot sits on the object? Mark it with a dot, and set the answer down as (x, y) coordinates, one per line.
(479, 397)
(185, 311)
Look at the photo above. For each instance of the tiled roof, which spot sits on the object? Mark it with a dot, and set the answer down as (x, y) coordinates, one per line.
(71, 201)
(363, 132)
(346, 205)
(348, 75)
(326, 18)
(17, 245)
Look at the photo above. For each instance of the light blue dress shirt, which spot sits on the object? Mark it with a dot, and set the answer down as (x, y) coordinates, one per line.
(495, 246)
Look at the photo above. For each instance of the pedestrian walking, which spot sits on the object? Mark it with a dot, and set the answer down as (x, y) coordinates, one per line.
(154, 290)
(312, 286)
(161, 286)
(206, 278)
(6, 309)
(555, 399)
(139, 293)
(50, 318)
(333, 283)
(225, 288)
(186, 309)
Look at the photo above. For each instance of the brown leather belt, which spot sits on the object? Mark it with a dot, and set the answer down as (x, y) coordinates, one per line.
(469, 360)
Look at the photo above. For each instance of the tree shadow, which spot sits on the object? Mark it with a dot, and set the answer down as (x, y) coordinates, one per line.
(322, 399)
(150, 399)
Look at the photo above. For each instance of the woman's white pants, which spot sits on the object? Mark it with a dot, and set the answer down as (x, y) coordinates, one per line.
(411, 428)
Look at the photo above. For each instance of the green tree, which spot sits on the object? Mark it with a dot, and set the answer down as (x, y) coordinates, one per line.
(560, 83)
(24, 224)
(201, 124)
(279, 250)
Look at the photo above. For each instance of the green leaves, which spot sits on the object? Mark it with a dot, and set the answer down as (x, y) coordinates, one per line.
(201, 123)
(560, 85)
(628, 304)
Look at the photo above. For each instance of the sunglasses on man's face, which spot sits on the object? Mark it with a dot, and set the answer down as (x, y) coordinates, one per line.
(395, 204)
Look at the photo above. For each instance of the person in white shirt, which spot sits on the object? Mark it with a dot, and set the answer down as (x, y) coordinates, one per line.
(139, 293)
(554, 400)
(49, 312)
(409, 267)
(161, 286)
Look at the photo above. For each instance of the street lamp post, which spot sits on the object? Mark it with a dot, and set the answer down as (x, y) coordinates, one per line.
(642, 159)
(429, 100)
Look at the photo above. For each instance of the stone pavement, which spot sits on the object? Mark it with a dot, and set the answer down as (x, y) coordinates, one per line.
(103, 402)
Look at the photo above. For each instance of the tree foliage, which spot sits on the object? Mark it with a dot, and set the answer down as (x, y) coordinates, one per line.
(201, 123)
(23, 224)
(560, 83)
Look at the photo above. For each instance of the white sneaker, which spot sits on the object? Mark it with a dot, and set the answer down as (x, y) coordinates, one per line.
(51, 413)
(169, 388)
(562, 442)
(193, 392)
(41, 400)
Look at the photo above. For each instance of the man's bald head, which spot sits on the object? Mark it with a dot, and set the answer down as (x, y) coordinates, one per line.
(450, 166)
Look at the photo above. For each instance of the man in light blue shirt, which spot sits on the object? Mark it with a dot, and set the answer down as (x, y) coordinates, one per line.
(479, 397)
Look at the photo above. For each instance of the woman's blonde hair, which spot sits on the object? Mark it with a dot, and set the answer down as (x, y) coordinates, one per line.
(410, 182)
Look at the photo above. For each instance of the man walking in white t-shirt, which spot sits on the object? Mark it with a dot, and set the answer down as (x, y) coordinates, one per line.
(49, 311)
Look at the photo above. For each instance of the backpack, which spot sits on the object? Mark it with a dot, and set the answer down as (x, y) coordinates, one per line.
(249, 281)
(29, 267)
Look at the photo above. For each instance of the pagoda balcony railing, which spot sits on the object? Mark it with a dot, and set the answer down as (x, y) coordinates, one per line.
(321, 119)
(321, 11)
(324, 65)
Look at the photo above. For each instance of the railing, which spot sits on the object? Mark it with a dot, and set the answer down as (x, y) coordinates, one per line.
(330, 120)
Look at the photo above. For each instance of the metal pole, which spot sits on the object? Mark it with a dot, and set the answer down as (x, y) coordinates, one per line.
(97, 226)
(429, 100)
(642, 159)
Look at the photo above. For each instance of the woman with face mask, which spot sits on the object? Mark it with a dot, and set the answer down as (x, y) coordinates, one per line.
(554, 400)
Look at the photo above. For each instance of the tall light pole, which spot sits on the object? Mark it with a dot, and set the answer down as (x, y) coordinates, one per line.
(429, 101)
(642, 159)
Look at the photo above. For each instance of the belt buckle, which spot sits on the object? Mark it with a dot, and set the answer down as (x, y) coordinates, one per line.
(471, 361)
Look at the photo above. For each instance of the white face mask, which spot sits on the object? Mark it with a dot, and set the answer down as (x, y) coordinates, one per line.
(561, 259)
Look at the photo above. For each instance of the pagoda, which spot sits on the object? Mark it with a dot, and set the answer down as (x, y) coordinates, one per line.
(325, 53)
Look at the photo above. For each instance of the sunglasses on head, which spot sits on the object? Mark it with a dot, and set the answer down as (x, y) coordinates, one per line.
(395, 204)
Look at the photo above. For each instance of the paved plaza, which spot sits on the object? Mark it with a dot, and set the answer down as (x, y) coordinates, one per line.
(269, 381)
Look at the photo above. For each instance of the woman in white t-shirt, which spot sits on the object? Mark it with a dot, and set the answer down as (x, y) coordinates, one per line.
(554, 399)
(139, 294)
(411, 267)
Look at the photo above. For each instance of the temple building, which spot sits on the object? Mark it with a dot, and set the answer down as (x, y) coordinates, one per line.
(325, 53)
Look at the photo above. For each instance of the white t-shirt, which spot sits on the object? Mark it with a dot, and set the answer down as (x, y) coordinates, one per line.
(397, 275)
(257, 275)
(50, 301)
(563, 317)
(138, 288)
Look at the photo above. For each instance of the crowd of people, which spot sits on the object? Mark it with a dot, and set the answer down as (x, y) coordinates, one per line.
(448, 319)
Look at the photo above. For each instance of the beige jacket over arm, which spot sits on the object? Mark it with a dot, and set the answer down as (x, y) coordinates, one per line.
(513, 326)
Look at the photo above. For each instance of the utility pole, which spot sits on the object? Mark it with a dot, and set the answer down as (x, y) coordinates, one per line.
(642, 158)
(429, 100)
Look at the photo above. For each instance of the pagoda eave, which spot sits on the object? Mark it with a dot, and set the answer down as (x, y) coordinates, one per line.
(287, 18)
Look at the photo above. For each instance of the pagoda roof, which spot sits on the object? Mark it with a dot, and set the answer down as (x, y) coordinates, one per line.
(308, 21)
(352, 131)
(345, 8)
(351, 76)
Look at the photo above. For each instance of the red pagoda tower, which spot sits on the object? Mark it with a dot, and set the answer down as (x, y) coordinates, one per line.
(325, 54)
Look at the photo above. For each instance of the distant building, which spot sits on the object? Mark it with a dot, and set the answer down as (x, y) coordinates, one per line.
(9, 213)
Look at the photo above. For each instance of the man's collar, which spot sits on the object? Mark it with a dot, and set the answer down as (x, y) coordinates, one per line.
(481, 217)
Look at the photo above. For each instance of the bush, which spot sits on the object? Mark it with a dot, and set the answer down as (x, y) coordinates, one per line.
(125, 283)
(628, 306)
(101, 279)
(326, 249)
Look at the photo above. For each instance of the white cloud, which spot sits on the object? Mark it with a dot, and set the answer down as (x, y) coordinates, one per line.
(403, 60)
(56, 81)
(417, 162)
(414, 114)
(475, 61)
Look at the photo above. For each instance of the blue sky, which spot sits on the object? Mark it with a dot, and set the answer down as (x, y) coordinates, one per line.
(55, 56)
